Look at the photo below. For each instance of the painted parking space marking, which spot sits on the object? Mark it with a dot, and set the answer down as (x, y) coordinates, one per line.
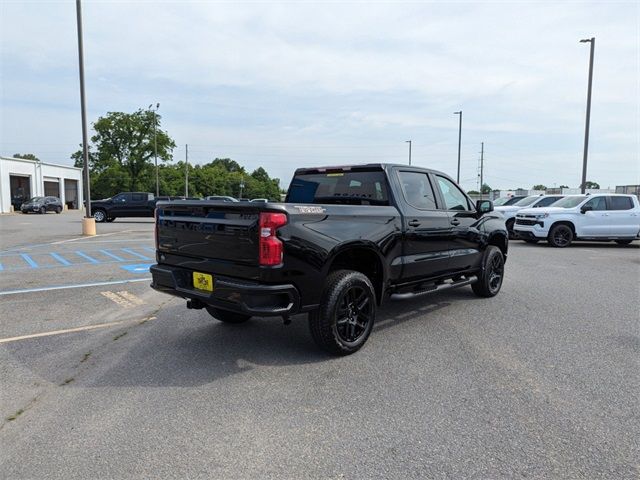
(87, 257)
(61, 259)
(135, 254)
(137, 267)
(118, 299)
(150, 249)
(29, 260)
(79, 285)
(115, 257)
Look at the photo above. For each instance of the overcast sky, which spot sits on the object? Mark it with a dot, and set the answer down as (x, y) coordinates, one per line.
(286, 85)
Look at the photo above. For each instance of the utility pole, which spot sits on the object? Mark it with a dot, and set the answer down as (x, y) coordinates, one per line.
(241, 186)
(186, 171)
(409, 142)
(583, 185)
(481, 170)
(88, 223)
(459, 143)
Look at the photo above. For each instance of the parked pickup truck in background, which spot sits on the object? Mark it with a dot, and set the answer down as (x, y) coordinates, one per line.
(600, 217)
(126, 204)
(344, 240)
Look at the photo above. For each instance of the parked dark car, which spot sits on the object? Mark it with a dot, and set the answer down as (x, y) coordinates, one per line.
(126, 204)
(42, 205)
(345, 239)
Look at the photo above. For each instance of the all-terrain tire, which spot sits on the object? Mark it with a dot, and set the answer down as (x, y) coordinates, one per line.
(492, 274)
(344, 321)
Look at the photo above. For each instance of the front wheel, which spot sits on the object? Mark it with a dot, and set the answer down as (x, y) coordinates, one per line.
(344, 321)
(623, 242)
(99, 216)
(560, 236)
(226, 316)
(43, 210)
(492, 273)
(58, 209)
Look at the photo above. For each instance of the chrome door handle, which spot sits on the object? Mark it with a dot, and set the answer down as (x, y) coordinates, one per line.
(414, 223)
(455, 221)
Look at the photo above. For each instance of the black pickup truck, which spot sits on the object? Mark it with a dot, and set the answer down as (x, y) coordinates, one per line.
(345, 239)
(125, 204)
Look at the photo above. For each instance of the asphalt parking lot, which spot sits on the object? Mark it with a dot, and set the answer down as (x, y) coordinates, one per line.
(104, 378)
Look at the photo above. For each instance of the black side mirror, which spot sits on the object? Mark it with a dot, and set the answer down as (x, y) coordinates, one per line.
(585, 209)
(484, 206)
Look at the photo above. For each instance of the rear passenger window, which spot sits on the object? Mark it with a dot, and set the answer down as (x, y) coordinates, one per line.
(417, 190)
(138, 197)
(546, 201)
(597, 203)
(620, 203)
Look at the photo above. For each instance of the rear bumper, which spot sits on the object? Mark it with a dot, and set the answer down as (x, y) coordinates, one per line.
(232, 294)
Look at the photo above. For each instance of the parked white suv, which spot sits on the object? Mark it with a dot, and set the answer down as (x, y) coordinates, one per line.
(535, 201)
(600, 217)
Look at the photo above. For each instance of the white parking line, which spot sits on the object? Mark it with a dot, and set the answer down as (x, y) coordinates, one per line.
(64, 287)
(71, 330)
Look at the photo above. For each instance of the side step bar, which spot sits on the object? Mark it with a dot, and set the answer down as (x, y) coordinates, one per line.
(437, 288)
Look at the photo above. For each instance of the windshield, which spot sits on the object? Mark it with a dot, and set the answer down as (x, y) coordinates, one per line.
(36, 199)
(526, 201)
(570, 202)
(341, 187)
(500, 201)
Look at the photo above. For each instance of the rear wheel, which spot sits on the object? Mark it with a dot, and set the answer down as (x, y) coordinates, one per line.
(560, 236)
(226, 316)
(99, 216)
(490, 278)
(58, 209)
(344, 321)
(43, 210)
(623, 242)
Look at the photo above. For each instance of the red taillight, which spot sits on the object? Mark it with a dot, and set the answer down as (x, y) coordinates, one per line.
(270, 245)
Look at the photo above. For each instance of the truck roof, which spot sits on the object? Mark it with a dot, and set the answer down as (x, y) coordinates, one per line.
(364, 166)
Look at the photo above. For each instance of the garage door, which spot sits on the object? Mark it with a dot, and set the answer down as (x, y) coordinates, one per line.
(71, 193)
(52, 187)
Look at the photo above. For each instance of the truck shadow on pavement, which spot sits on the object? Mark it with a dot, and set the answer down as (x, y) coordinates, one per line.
(186, 349)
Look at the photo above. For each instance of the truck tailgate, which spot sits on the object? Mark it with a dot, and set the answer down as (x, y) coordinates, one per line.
(209, 230)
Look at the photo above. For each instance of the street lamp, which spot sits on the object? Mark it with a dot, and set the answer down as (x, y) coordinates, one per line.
(155, 147)
(583, 185)
(409, 142)
(88, 223)
(459, 143)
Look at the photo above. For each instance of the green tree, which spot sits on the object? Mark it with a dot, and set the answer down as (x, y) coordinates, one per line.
(539, 187)
(26, 156)
(124, 146)
(473, 192)
(228, 164)
(590, 184)
(564, 186)
(485, 188)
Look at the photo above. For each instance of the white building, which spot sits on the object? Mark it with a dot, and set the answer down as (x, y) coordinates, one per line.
(22, 179)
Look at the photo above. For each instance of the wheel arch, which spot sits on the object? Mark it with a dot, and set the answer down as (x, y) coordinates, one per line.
(360, 257)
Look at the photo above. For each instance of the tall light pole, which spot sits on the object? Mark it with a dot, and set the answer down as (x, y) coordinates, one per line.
(155, 148)
(409, 142)
(186, 170)
(88, 223)
(583, 185)
(459, 143)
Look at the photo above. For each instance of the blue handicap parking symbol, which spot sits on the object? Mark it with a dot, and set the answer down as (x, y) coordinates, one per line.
(137, 267)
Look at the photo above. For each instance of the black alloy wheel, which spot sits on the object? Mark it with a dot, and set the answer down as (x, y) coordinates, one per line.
(353, 314)
(492, 274)
(560, 236)
(343, 322)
